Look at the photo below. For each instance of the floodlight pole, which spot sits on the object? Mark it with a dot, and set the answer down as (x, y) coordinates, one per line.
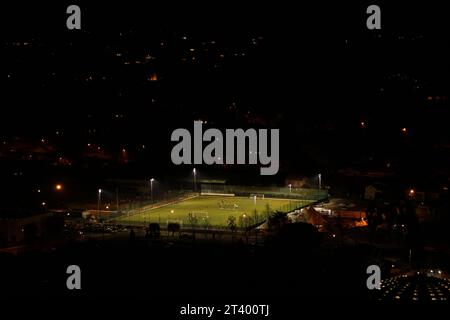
(117, 200)
(320, 181)
(151, 189)
(99, 199)
(98, 212)
(195, 179)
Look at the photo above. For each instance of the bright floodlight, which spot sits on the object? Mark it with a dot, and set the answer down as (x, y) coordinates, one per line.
(151, 180)
(99, 190)
(193, 170)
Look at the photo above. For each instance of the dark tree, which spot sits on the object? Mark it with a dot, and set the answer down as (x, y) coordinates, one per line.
(173, 227)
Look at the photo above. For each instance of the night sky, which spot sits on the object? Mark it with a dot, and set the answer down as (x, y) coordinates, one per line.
(342, 95)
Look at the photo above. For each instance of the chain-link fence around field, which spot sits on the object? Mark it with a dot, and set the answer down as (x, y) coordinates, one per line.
(242, 221)
(267, 192)
(295, 198)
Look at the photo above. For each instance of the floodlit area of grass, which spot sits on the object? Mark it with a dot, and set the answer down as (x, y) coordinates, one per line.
(213, 211)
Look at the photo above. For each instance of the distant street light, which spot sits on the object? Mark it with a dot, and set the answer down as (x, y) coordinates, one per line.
(290, 188)
(58, 187)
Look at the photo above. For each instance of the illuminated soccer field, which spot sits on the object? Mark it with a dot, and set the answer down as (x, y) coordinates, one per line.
(213, 211)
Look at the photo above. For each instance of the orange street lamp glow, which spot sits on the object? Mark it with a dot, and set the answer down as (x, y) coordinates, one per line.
(58, 187)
